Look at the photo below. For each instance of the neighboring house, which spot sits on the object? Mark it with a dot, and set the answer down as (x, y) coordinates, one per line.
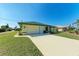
(61, 28)
(35, 27)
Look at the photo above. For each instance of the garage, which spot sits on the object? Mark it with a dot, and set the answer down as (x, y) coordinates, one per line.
(34, 27)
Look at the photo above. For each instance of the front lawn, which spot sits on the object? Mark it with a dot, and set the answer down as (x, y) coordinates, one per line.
(68, 35)
(11, 46)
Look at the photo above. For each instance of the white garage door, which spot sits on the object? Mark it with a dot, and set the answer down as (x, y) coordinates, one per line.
(34, 29)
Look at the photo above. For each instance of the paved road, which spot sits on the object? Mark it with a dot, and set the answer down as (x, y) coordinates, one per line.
(51, 45)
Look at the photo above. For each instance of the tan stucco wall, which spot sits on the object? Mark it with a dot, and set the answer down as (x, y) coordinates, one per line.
(33, 28)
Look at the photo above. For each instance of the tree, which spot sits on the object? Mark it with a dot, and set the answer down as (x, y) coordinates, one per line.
(7, 26)
(15, 28)
(77, 22)
(3, 27)
(71, 29)
(76, 26)
(77, 29)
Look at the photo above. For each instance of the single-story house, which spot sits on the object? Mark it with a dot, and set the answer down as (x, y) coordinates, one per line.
(61, 28)
(35, 27)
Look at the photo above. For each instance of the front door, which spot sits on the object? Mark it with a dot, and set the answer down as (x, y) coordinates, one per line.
(46, 29)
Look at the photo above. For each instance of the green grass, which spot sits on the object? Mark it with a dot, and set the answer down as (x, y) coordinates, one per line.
(68, 35)
(11, 46)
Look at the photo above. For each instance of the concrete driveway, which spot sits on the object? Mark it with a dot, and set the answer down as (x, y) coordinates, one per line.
(51, 45)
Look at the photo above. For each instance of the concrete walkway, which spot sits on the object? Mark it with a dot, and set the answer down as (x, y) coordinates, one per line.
(51, 45)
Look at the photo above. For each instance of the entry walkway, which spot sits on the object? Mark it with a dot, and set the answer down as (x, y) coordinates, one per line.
(51, 45)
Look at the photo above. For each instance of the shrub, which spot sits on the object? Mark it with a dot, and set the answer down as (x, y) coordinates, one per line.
(9, 29)
(18, 29)
(77, 31)
(20, 33)
(2, 30)
(71, 31)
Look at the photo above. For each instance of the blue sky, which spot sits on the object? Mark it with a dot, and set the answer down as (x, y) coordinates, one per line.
(49, 13)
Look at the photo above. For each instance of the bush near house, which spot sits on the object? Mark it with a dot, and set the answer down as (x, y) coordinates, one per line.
(9, 29)
(77, 32)
(19, 30)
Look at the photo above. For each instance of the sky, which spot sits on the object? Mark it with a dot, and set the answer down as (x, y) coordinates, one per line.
(61, 14)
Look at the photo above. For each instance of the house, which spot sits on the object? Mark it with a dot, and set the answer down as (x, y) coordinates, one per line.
(35, 27)
(61, 28)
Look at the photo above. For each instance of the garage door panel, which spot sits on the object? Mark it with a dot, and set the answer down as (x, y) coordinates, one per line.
(30, 29)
